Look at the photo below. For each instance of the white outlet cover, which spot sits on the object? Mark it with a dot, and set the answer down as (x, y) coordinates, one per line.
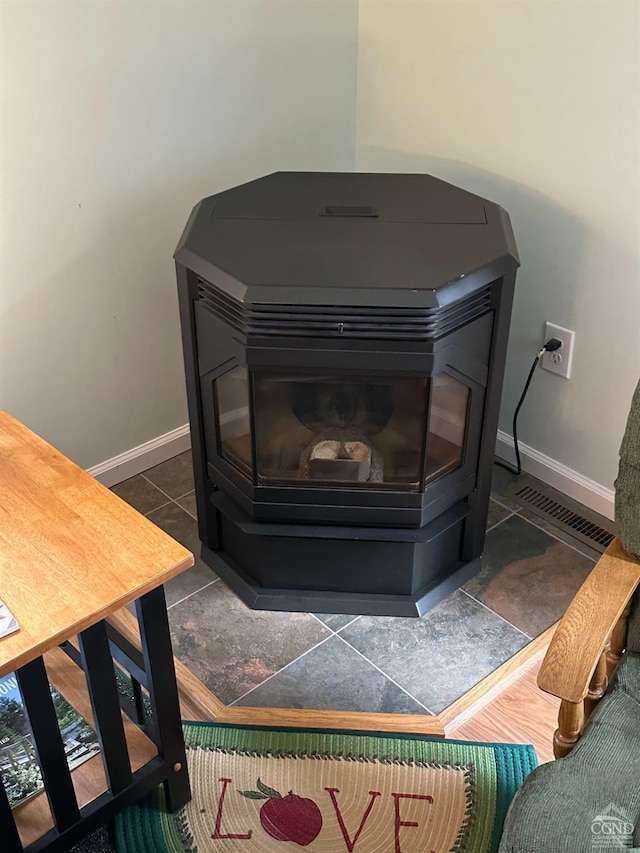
(550, 361)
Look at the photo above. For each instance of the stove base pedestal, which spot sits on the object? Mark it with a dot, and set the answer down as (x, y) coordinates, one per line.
(339, 569)
(352, 603)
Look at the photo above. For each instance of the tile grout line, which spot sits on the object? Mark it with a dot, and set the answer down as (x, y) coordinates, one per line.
(190, 514)
(191, 594)
(147, 514)
(355, 619)
(502, 520)
(337, 630)
(324, 624)
(506, 621)
(286, 666)
(158, 488)
(497, 499)
(388, 677)
(169, 500)
(557, 538)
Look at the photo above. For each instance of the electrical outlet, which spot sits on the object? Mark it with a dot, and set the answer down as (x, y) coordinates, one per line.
(560, 360)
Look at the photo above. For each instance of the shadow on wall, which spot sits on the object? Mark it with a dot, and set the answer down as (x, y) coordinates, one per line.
(551, 243)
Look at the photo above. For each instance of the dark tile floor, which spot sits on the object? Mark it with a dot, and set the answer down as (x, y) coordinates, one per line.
(530, 573)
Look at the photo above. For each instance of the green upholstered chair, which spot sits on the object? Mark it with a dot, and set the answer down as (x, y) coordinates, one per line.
(589, 799)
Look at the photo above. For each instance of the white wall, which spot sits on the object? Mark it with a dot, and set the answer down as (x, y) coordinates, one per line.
(116, 117)
(534, 104)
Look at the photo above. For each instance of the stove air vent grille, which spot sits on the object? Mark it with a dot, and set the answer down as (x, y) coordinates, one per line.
(325, 321)
(230, 310)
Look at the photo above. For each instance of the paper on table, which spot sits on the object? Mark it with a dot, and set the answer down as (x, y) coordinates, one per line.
(8, 622)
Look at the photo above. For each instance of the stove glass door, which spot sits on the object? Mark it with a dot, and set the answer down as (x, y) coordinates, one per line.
(330, 430)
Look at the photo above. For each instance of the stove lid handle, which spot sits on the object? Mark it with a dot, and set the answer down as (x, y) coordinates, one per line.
(354, 210)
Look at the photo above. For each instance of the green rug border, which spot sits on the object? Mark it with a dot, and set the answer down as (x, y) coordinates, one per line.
(510, 765)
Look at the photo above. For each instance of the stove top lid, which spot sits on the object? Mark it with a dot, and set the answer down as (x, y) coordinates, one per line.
(295, 196)
(348, 238)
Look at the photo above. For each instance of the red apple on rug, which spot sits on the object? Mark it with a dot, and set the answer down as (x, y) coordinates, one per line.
(290, 818)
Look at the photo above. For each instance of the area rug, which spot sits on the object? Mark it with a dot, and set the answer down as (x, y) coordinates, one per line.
(272, 790)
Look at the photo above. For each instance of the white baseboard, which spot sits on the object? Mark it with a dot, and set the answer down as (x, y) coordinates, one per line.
(138, 459)
(558, 476)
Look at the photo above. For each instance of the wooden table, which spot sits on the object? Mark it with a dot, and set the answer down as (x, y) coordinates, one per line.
(71, 554)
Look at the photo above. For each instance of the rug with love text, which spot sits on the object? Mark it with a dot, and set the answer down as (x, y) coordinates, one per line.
(271, 790)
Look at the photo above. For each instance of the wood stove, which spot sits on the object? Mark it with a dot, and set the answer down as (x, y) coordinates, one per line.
(344, 340)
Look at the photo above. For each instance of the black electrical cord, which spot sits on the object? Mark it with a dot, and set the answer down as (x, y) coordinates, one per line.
(551, 345)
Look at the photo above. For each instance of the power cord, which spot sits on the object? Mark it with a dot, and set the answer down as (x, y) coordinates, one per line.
(551, 346)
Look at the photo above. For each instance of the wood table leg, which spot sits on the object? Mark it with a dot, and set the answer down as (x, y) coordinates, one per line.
(163, 694)
(97, 664)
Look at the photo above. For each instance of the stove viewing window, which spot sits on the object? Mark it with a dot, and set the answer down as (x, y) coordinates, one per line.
(367, 432)
(344, 374)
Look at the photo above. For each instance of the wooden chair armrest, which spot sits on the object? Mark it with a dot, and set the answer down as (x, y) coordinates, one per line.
(584, 630)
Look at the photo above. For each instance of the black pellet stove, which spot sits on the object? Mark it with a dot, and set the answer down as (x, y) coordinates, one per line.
(344, 341)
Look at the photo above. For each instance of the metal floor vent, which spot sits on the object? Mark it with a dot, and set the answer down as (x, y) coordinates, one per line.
(562, 512)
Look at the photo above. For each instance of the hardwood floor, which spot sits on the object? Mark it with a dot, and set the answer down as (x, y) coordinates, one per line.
(520, 714)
